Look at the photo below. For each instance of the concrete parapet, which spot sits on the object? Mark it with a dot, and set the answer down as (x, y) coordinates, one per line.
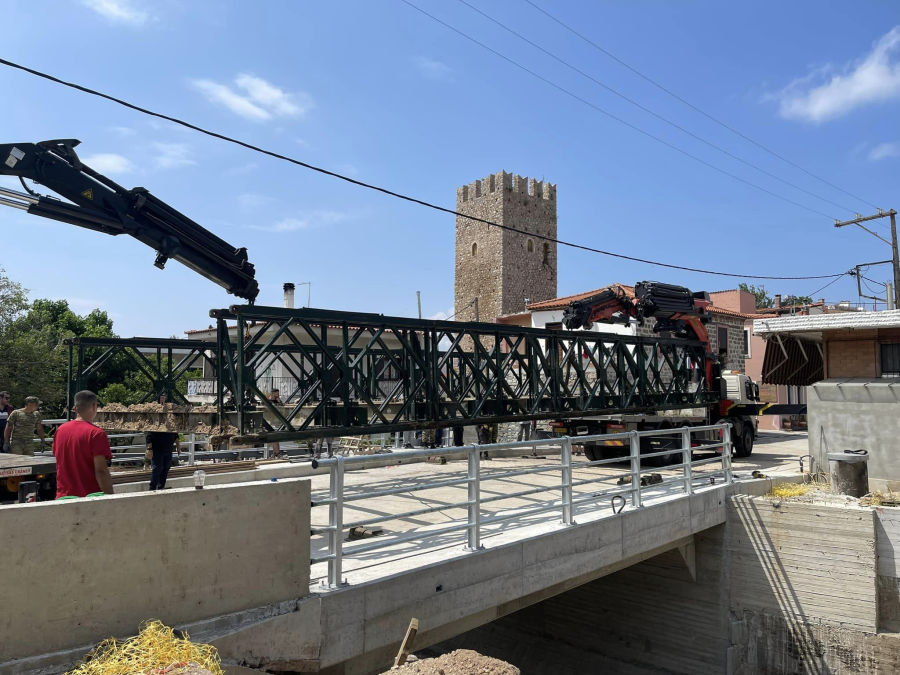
(79, 571)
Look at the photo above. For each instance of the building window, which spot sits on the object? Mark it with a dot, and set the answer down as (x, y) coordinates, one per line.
(554, 325)
(546, 253)
(722, 339)
(890, 360)
(746, 343)
(530, 246)
(474, 249)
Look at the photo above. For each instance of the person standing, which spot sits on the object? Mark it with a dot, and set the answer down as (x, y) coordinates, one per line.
(275, 399)
(5, 410)
(160, 446)
(82, 452)
(21, 426)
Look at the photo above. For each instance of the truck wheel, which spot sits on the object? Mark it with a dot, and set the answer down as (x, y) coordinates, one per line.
(591, 452)
(744, 446)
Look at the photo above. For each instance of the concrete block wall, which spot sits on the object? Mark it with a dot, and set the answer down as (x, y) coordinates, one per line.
(887, 531)
(852, 415)
(109, 563)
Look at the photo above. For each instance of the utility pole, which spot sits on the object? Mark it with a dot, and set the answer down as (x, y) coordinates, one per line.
(892, 214)
(419, 302)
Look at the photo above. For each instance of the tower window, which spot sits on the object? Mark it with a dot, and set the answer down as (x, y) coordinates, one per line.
(530, 246)
(546, 253)
(474, 249)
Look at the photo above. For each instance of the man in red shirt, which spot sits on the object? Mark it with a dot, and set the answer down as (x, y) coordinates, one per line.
(82, 452)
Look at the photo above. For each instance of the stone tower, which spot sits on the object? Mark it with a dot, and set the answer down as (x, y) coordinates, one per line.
(499, 267)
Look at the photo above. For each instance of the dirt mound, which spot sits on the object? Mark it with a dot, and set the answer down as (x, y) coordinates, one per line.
(458, 662)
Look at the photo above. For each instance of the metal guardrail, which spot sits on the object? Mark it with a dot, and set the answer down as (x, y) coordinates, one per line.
(566, 504)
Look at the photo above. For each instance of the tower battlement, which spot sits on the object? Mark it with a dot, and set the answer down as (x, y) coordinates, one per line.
(502, 267)
(507, 182)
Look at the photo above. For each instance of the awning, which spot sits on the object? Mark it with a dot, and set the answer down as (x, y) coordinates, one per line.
(791, 360)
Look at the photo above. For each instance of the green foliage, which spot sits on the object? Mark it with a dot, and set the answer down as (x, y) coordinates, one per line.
(797, 300)
(763, 299)
(34, 360)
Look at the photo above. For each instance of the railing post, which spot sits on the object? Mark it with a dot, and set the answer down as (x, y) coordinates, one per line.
(336, 522)
(726, 452)
(474, 483)
(192, 445)
(634, 443)
(686, 459)
(568, 517)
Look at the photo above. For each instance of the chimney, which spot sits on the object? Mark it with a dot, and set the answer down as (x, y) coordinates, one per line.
(289, 295)
(777, 300)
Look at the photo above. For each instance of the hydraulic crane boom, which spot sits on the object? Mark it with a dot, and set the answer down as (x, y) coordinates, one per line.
(100, 204)
(676, 309)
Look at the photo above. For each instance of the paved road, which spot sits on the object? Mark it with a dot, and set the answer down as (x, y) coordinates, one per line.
(441, 507)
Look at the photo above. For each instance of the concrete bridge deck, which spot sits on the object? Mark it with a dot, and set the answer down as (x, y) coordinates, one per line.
(249, 588)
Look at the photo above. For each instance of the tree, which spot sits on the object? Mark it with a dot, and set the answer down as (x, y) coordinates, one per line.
(796, 300)
(763, 299)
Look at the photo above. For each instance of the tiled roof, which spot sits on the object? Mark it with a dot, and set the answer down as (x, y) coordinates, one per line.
(787, 309)
(815, 323)
(730, 312)
(562, 303)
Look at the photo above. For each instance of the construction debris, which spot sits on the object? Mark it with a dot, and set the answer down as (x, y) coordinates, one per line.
(170, 417)
(155, 650)
(458, 662)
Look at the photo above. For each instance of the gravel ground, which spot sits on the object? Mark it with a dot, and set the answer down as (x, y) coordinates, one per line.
(458, 662)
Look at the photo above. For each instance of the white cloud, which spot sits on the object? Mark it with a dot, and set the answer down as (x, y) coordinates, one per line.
(257, 98)
(250, 201)
(119, 11)
(884, 151)
(827, 92)
(172, 155)
(314, 219)
(108, 162)
(440, 316)
(242, 169)
(433, 69)
(124, 132)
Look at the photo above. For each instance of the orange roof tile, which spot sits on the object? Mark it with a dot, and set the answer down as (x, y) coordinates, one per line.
(563, 302)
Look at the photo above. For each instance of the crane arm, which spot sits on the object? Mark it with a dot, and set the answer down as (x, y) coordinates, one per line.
(97, 203)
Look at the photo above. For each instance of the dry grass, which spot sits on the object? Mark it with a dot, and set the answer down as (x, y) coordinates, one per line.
(155, 649)
(788, 490)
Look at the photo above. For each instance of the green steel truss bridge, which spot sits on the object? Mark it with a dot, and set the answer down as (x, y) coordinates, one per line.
(353, 373)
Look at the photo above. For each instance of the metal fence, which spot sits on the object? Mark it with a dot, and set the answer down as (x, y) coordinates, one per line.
(567, 503)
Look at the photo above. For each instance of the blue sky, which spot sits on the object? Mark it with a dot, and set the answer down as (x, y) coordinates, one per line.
(382, 93)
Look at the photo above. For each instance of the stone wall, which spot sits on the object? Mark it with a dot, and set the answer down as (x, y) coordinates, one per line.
(734, 359)
(499, 267)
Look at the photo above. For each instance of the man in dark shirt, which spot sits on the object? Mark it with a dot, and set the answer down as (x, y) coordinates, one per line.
(5, 409)
(161, 445)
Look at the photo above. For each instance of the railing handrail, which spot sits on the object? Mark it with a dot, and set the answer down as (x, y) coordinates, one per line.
(565, 502)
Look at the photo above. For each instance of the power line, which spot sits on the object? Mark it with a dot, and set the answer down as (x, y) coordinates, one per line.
(650, 111)
(692, 106)
(819, 290)
(392, 193)
(603, 111)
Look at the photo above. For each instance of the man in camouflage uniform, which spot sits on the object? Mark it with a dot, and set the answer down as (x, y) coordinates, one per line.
(18, 436)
